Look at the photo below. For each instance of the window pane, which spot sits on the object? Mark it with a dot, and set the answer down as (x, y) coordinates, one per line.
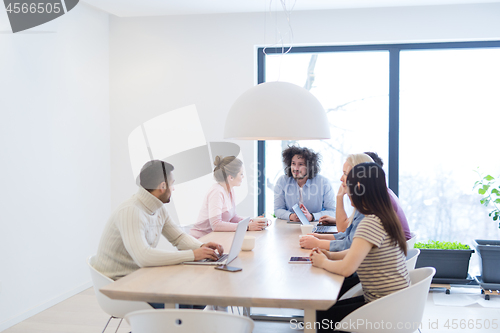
(353, 87)
(449, 116)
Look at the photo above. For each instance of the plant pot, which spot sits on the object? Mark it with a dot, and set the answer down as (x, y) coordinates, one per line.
(449, 264)
(489, 253)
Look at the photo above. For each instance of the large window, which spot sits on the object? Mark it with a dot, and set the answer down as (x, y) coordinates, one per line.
(449, 109)
(353, 88)
(429, 110)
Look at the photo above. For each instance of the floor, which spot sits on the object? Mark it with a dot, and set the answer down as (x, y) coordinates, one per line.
(81, 314)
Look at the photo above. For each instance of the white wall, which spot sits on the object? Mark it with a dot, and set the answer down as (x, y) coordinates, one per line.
(159, 64)
(55, 128)
(55, 161)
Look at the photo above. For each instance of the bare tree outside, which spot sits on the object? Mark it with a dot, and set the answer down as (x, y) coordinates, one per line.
(442, 114)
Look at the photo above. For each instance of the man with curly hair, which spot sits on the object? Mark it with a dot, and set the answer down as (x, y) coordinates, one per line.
(301, 184)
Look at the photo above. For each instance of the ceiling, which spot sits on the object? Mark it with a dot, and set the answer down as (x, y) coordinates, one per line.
(131, 8)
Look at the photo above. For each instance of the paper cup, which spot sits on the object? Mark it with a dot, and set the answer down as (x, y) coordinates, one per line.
(248, 243)
(306, 229)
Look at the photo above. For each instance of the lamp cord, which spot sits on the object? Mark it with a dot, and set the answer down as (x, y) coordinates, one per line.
(281, 40)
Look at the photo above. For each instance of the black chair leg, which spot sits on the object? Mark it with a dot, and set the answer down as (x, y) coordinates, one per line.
(119, 325)
(121, 319)
(107, 324)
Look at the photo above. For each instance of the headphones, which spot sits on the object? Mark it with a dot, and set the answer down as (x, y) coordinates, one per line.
(164, 174)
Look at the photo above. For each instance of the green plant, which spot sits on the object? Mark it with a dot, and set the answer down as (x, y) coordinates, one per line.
(489, 189)
(442, 245)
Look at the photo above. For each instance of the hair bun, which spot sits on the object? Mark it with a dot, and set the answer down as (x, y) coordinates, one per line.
(218, 161)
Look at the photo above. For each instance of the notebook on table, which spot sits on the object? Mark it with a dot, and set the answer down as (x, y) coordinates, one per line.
(319, 229)
(225, 259)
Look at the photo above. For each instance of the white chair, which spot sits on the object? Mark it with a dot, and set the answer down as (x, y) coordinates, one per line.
(399, 312)
(410, 243)
(116, 309)
(187, 321)
(411, 260)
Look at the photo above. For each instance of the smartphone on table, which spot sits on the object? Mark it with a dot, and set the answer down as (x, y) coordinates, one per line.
(228, 268)
(299, 260)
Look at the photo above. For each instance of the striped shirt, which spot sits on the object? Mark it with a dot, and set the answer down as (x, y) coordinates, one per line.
(383, 271)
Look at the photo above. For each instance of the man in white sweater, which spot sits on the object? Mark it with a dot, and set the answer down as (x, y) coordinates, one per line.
(133, 231)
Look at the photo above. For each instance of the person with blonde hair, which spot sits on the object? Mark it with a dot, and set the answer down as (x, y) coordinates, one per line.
(218, 211)
(346, 225)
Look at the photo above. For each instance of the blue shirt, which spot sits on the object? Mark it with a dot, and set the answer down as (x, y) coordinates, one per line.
(343, 240)
(317, 195)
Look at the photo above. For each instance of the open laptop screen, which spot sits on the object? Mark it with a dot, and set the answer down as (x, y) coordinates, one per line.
(239, 235)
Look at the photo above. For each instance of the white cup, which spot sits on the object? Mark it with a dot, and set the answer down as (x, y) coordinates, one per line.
(263, 219)
(248, 243)
(306, 229)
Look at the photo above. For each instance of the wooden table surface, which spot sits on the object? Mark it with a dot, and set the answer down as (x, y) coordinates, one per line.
(267, 279)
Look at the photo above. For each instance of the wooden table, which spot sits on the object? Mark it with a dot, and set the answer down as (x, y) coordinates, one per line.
(267, 279)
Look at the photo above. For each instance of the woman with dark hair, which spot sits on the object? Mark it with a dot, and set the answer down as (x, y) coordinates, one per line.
(218, 212)
(378, 250)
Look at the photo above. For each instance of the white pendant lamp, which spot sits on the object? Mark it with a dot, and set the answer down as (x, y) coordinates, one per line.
(277, 111)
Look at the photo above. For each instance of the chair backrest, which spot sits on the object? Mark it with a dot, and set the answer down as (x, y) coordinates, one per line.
(112, 307)
(187, 321)
(399, 312)
(411, 258)
(410, 243)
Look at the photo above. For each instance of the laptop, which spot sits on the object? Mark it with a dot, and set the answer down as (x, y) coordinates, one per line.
(225, 259)
(319, 229)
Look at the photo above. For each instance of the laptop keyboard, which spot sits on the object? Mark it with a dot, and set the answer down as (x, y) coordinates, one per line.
(221, 258)
(322, 228)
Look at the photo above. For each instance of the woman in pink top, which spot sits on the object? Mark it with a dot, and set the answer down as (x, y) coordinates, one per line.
(218, 212)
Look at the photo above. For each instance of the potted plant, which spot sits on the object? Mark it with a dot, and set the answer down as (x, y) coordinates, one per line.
(489, 250)
(450, 259)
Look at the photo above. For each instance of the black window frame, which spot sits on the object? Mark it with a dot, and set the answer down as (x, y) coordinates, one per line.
(394, 60)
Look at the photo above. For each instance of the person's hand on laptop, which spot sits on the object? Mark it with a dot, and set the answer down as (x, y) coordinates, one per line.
(208, 251)
(327, 220)
(214, 246)
(308, 215)
(309, 242)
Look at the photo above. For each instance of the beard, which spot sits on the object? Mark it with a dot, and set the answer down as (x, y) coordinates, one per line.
(165, 197)
(298, 176)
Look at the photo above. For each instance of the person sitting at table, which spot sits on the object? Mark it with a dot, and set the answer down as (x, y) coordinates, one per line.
(132, 233)
(218, 212)
(378, 250)
(342, 240)
(301, 184)
(394, 199)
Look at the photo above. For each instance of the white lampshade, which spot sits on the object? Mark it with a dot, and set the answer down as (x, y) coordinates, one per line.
(277, 111)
